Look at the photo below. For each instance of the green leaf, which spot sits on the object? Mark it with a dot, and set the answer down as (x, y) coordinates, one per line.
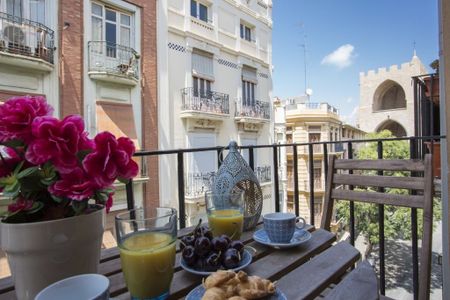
(18, 167)
(56, 198)
(13, 143)
(8, 180)
(123, 180)
(37, 206)
(27, 172)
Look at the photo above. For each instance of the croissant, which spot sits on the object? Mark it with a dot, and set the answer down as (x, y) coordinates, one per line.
(229, 285)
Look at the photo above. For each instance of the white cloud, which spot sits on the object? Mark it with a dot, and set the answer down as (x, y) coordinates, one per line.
(342, 57)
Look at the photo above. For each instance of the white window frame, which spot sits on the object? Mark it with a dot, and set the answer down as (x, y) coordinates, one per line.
(246, 32)
(248, 93)
(119, 12)
(25, 9)
(201, 87)
(197, 10)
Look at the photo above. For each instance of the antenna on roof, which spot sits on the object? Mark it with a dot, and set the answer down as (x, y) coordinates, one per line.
(414, 47)
(302, 25)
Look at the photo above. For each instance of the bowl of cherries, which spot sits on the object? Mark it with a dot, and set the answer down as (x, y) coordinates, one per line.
(203, 254)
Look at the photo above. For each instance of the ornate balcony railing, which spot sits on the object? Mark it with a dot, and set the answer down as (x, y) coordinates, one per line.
(25, 37)
(253, 109)
(114, 59)
(199, 183)
(263, 173)
(208, 101)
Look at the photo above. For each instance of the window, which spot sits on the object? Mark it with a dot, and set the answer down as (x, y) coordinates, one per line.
(249, 82)
(246, 33)
(33, 10)
(199, 11)
(111, 26)
(202, 162)
(202, 87)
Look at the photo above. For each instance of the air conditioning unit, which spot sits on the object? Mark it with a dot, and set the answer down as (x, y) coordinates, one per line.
(14, 34)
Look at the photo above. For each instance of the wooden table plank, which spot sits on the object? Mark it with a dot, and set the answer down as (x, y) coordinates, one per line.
(361, 283)
(310, 279)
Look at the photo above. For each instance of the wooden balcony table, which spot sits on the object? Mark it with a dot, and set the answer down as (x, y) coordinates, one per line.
(303, 272)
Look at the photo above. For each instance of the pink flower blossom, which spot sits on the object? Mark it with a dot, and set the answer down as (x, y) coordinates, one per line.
(75, 185)
(17, 115)
(58, 141)
(19, 205)
(109, 202)
(110, 159)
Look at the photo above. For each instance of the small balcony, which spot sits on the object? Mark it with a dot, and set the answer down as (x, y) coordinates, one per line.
(264, 174)
(199, 183)
(207, 105)
(113, 63)
(25, 43)
(252, 111)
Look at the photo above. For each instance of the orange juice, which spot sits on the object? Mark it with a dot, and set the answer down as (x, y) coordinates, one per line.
(226, 221)
(147, 263)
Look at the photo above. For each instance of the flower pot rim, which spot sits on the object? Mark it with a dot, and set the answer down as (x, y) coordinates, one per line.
(99, 207)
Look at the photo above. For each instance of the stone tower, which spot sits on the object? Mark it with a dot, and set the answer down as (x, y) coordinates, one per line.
(387, 98)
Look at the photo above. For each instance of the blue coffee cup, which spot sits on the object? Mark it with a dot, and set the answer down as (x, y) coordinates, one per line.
(280, 227)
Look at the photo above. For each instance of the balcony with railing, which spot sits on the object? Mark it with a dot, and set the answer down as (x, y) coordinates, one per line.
(113, 63)
(26, 43)
(198, 183)
(252, 111)
(209, 105)
(263, 173)
(311, 108)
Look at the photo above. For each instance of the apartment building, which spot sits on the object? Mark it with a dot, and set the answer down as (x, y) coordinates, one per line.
(93, 58)
(214, 85)
(307, 122)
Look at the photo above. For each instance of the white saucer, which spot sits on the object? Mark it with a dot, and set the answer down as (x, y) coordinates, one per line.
(300, 236)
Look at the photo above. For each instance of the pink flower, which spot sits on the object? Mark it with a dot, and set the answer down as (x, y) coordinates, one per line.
(19, 205)
(111, 159)
(75, 185)
(17, 115)
(58, 141)
(109, 202)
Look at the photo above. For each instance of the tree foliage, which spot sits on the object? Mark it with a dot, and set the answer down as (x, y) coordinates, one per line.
(397, 220)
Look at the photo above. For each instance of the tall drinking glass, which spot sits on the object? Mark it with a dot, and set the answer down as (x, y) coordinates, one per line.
(225, 214)
(147, 239)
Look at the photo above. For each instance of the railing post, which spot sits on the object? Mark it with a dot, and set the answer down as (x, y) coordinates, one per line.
(381, 228)
(352, 204)
(311, 183)
(251, 161)
(414, 238)
(275, 178)
(181, 207)
(296, 196)
(219, 157)
(130, 195)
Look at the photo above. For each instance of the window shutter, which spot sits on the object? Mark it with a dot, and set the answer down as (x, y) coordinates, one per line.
(202, 65)
(249, 74)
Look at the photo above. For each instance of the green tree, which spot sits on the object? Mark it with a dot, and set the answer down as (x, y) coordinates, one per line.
(397, 220)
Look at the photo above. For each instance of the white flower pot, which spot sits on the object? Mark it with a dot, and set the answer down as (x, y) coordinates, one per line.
(42, 253)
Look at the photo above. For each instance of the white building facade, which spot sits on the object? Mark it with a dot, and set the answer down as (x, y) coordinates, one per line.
(214, 85)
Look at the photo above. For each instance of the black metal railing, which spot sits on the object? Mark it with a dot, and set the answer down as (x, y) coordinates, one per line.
(25, 37)
(253, 109)
(114, 59)
(417, 151)
(205, 101)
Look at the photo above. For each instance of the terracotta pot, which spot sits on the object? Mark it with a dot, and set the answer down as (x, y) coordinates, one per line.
(436, 158)
(42, 253)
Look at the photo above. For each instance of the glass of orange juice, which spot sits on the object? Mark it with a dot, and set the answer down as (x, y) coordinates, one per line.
(225, 213)
(146, 240)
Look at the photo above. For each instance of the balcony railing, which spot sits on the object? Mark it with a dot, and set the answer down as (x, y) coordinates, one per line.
(113, 59)
(199, 183)
(263, 173)
(323, 107)
(257, 109)
(417, 151)
(208, 101)
(25, 37)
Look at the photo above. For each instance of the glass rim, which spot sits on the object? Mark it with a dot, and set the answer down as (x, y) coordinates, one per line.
(119, 217)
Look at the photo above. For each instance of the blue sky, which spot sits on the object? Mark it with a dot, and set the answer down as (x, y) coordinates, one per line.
(343, 38)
